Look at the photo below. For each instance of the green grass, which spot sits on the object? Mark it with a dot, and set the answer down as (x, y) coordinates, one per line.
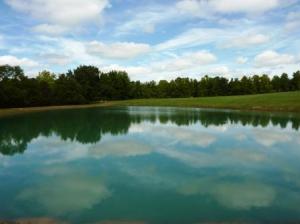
(284, 102)
(289, 102)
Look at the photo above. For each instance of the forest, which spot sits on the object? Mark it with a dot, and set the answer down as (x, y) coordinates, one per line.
(87, 84)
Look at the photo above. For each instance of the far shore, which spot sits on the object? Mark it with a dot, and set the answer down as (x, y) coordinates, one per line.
(16, 111)
(273, 102)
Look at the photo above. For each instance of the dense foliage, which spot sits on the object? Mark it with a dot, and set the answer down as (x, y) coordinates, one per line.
(87, 84)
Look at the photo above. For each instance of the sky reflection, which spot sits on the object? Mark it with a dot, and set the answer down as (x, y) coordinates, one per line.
(215, 166)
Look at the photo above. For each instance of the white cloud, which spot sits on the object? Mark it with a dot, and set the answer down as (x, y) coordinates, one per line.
(244, 195)
(60, 13)
(56, 59)
(14, 61)
(135, 72)
(70, 50)
(245, 6)
(208, 9)
(293, 21)
(148, 17)
(194, 8)
(185, 61)
(192, 37)
(164, 69)
(241, 60)
(119, 149)
(119, 50)
(247, 40)
(49, 29)
(77, 192)
(1, 41)
(271, 138)
(220, 70)
(272, 58)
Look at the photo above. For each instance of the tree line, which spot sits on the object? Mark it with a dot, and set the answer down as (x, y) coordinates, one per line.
(87, 84)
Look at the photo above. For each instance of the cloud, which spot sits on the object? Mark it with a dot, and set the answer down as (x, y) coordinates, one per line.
(220, 70)
(147, 18)
(158, 68)
(270, 138)
(221, 38)
(135, 72)
(72, 194)
(245, 6)
(244, 195)
(192, 37)
(241, 60)
(49, 29)
(247, 40)
(118, 50)
(56, 59)
(272, 59)
(185, 61)
(119, 148)
(14, 61)
(194, 8)
(1, 41)
(232, 195)
(62, 14)
(293, 21)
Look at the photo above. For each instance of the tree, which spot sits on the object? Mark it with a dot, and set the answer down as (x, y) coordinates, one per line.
(68, 91)
(115, 85)
(284, 82)
(86, 84)
(89, 79)
(46, 76)
(265, 84)
(296, 81)
(246, 85)
(276, 83)
(11, 72)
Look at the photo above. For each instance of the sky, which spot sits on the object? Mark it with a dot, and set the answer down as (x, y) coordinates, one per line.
(152, 39)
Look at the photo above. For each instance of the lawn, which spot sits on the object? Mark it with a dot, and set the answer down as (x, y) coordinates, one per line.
(288, 101)
(284, 102)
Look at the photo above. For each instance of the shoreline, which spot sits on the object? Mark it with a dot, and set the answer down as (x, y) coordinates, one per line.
(16, 111)
(288, 102)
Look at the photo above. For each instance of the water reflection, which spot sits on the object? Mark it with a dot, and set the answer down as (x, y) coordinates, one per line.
(157, 165)
(88, 125)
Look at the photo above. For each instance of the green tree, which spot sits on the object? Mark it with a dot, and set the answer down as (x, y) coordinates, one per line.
(284, 82)
(276, 83)
(89, 79)
(11, 72)
(46, 76)
(296, 81)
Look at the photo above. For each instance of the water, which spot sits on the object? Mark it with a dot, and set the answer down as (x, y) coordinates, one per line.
(150, 165)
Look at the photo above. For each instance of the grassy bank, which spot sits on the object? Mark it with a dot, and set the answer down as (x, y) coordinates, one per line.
(16, 111)
(284, 102)
(289, 102)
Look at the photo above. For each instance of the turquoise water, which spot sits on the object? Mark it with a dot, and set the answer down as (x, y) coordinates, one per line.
(150, 165)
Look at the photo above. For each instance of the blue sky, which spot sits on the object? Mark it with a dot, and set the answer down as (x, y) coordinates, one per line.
(152, 40)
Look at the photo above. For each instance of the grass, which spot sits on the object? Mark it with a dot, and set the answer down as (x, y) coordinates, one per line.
(285, 102)
(16, 111)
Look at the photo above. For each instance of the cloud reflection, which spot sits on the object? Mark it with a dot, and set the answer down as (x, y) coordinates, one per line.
(61, 194)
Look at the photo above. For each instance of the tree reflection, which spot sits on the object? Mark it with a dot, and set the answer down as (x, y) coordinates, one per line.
(88, 125)
(84, 126)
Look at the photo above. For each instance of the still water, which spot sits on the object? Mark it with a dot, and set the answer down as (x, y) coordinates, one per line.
(150, 165)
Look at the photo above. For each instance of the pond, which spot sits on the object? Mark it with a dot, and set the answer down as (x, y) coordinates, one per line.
(150, 165)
